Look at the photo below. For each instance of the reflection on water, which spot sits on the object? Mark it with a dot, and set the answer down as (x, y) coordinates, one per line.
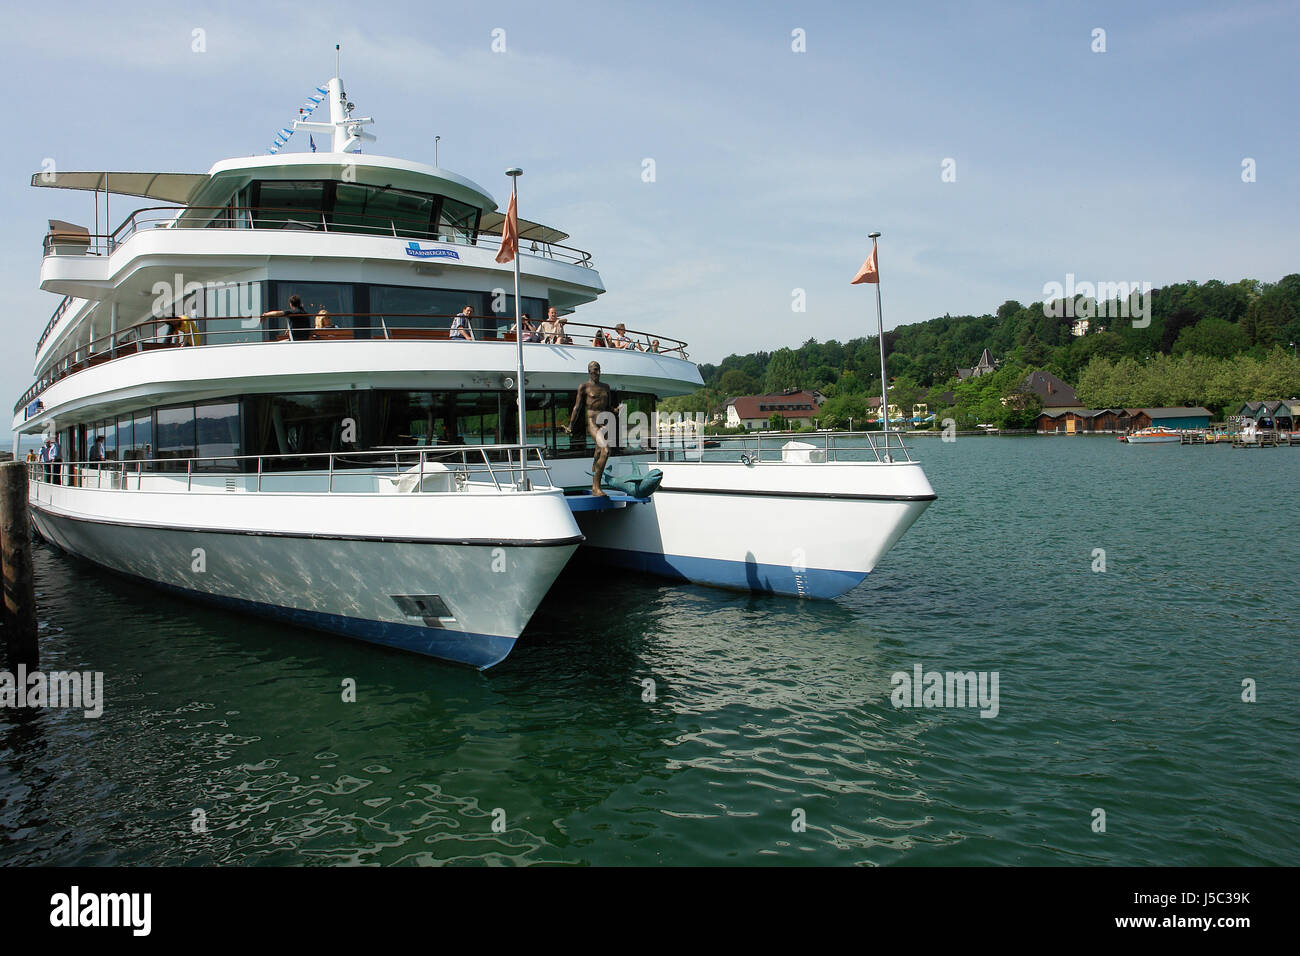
(642, 722)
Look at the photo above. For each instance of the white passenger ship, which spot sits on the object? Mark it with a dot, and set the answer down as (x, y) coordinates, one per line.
(365, 476)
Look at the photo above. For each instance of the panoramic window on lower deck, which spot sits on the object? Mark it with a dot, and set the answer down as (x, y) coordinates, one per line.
(217, 428)
(123, 430)
(108, 429)
(439, 418)
(311, 423)
(142, 436)
(174, 428)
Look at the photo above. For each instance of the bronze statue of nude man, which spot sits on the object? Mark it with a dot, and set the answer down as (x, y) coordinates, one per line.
(595, 395)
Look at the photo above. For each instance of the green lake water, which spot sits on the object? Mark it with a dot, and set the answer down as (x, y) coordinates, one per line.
(771, 737)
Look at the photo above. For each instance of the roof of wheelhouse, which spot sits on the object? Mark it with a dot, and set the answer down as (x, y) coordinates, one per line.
(230, 175)
(227, 177)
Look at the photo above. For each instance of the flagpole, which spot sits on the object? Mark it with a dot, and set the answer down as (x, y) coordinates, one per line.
(880, 325)
(514, 172)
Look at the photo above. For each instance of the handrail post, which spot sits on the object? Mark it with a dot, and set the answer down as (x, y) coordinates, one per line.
(189, 474)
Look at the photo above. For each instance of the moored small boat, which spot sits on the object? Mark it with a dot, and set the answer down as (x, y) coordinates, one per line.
(1157, 434)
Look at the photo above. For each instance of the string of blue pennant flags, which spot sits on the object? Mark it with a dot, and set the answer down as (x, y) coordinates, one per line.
(304, 111)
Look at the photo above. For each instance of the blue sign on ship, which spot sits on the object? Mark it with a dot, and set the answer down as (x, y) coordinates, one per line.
(413, 249)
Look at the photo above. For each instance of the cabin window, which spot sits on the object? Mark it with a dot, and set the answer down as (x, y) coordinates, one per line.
(217, 430)
(304, 423)
(457, 222)
(109, 430)
(334, 297)
(142, 442)
(289, 204)
(385, 212)
(403, 307)
(175, 431)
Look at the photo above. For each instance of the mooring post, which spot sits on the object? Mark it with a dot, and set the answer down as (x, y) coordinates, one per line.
(16, 560)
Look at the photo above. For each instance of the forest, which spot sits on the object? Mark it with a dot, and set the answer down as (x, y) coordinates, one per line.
(1213, 344)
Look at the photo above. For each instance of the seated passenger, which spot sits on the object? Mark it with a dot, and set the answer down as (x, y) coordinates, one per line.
(619, 339)
(461, 330)
(551, 328)
(599, 340)
(530, 334)
(323, 320)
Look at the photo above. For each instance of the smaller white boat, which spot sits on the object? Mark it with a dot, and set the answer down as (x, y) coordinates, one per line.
(1157, 434)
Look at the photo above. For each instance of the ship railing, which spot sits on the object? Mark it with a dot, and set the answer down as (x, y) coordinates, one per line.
(809, 448)
(163, 333)
(416, 469)
(297, 219)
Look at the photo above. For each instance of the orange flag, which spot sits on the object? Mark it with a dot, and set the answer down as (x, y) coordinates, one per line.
(510, 233)
(868, 272)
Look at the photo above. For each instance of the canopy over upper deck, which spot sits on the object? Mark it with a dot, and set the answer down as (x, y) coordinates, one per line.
(164, 187)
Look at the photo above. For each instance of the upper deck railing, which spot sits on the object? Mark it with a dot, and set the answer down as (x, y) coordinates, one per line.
(281, 218)
(756, 449)
(278, 218)
(154, 334)
(408, 469)
(59, 311)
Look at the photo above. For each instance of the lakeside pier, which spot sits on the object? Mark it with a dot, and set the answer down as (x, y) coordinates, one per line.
(16, 566)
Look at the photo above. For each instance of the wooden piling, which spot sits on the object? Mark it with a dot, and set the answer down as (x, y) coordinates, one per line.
(16, 565)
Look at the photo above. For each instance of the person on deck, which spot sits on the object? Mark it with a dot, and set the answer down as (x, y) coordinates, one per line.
(551, 328)
(299, 321)
(530, 333)
(618, 338)
(461, 330)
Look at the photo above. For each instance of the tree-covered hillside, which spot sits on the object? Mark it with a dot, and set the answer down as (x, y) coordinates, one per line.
(1213, 344)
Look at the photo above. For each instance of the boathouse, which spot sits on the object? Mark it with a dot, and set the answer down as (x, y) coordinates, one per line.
(1170, 417)
(1281, 415)
(1083, 421)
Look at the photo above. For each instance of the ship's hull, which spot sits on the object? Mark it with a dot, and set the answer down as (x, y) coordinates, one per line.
(803, 530)
(452, 597)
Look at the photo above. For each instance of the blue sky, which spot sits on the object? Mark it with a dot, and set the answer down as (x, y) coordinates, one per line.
(771, 165)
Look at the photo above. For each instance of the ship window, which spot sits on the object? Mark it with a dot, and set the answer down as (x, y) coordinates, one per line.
(403, 307)
(142, 435)
(216, 429)
(109, 430)
(175, 430)
(124, 438)
(385, 212)
(334, 297)
(458, 221)
(289, 205)
(304, 423)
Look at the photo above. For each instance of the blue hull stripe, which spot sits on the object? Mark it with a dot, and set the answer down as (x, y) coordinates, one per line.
(459, 647)
(820, 583)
